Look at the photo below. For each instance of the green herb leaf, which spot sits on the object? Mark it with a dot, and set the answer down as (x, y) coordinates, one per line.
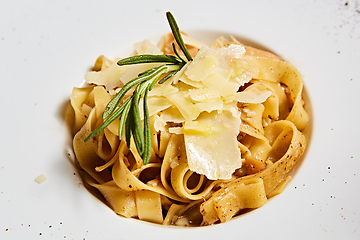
(147, 132)
(148, 58)
(128, 127)
(167, 77)
(177, 35)
(136, 128)
(176, 52)
(124, 116)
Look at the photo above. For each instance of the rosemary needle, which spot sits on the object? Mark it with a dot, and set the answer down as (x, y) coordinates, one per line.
(147, 131)
(128, 112)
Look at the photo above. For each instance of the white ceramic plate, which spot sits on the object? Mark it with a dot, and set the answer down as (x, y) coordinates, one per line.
(47, 46)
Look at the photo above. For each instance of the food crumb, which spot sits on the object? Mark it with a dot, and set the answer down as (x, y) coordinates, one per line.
(40, 179)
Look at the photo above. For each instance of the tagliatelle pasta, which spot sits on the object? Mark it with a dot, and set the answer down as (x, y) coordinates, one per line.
(225, 132)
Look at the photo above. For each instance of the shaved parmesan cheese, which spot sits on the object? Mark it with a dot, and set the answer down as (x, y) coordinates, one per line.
(210, 105)
(233, 51)
(220, 80)
(162, 89)
(208, 59)
(155, 105)
(201, 127)
(211, 144)
(146, 46)
(109, 77)
(206, 105)
(244, 70)
(40, 179)
(252, 95)
(172, 114)
(184, 105)
(204, 94)
(183, 78)
(202, 61)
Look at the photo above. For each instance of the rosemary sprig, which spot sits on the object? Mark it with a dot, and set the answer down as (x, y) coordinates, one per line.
(128, 112)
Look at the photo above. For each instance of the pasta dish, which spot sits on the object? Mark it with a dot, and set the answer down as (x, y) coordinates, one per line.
(224, 128)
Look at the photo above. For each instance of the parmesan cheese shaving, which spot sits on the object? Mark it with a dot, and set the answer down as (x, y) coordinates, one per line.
(155, 105)
(202, 61)
(172, 114)
(211, 144)
(109, 77)
(203, 94)
(40, 179)
(220, 80)
(184, 78)
(146, 46)
(184, 105)
(252, 95)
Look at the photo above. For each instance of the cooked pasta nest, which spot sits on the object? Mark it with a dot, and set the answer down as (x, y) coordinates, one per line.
(166, 191)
